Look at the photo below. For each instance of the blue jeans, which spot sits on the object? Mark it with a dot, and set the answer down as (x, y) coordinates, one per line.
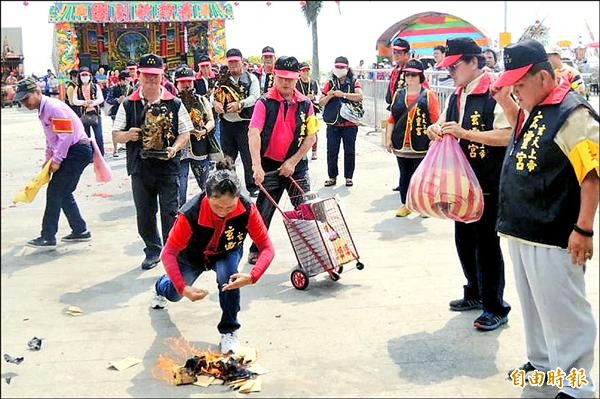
(97, 133)
(229, 300)
(346, 134)
(200, 169)
(60, 192)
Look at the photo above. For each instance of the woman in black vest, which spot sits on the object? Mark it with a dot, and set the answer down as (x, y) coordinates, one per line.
(209, 234)
(342, 87)
(310, 88)
(88, 96)
(413, 109)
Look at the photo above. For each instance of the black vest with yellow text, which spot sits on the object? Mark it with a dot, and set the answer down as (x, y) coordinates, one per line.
(271, 113)
(485, 160)
(135, 116)
(539, 191)
(419, 142)
(233, 236)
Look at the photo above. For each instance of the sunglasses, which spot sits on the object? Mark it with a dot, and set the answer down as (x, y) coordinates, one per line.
(452, 68)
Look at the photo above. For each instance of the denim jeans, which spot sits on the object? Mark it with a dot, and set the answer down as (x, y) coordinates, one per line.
(346, 134)
(97, 133)
(478, 247)
(200, 169)
(229, 300)
(234, 140)
(60, 192)
(146, 187)
(275, 184)
(407, 167)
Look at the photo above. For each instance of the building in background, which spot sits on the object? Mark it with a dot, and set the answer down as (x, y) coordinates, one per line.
(111, 33)
(12, 52)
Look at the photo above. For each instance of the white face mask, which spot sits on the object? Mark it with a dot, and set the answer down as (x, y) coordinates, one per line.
(340, 72)
(85, 79)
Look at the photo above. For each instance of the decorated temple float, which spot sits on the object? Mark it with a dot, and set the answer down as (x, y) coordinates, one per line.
(111, 33)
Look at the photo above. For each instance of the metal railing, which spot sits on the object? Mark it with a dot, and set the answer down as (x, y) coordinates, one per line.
(374, 88)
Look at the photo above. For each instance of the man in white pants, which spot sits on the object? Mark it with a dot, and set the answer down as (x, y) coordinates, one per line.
(548, 201)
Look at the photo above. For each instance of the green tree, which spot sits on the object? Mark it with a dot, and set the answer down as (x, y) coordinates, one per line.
(311, 9)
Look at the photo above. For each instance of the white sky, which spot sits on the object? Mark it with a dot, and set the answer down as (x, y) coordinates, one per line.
(353, 33)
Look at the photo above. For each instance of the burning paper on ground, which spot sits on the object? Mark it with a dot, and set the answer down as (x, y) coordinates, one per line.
(188, 365)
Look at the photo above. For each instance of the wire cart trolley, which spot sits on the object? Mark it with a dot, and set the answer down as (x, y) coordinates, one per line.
(319, 236)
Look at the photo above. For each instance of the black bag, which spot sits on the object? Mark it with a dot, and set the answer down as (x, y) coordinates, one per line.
(90, 118)
(331, 111)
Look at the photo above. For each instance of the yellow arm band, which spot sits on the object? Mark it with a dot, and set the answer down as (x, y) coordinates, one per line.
(584, 158)
(312, 125)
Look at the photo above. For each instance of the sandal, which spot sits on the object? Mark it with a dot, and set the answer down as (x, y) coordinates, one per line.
(349, 183)
(252, 258)
(329, 182)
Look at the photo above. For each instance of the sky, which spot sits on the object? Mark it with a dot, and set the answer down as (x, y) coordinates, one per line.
(351, 31)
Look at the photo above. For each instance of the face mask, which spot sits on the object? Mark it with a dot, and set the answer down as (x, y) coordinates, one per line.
(340, 73)
(85, 79)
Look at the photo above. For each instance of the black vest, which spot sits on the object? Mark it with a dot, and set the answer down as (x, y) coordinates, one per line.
(419, 142)
(271, 113)
(331, 111)
(486, 161)
(539, 191)
(309, 88)
(269, 80)
(201, 88)
(93, 96)
(232, 238)
(135, 114)
(245, 82)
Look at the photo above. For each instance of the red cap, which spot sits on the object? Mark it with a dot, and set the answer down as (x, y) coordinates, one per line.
(282, 73)
(268, 53)
(234, 58)
(340, 65)
(304, 68)
(152, 71)
(412, 70)
(510, 77)
(205, 63)
(449, 60)
(184, 78)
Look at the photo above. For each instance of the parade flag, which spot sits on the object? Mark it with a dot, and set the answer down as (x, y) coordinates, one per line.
(31, 189)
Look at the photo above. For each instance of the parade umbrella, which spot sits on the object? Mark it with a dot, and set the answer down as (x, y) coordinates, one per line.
(594, 45)
(426, 30)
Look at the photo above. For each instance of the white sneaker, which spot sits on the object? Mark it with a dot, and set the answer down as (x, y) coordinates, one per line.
(158, 302)
(229, 342)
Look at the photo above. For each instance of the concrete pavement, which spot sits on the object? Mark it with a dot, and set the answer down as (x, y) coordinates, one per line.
(385, 331)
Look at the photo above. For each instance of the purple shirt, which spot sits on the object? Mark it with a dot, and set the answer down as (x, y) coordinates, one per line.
(62, 128)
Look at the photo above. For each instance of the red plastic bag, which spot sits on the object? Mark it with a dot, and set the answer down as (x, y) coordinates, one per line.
(444, 185)
(102, 170)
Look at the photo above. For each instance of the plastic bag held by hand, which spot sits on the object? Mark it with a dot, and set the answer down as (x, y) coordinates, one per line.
(31, 189)
(101, 169)
(444, 185)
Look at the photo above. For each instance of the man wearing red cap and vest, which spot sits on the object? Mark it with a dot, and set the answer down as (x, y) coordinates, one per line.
(400, 55)
(265, 72)
(205, 78)
(473, 117)
(155, 126)
(236, 117)
(282, 130)
(548, 202)
(309, 88)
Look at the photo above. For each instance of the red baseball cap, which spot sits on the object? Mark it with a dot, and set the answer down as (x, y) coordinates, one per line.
(519, 58)
(287, 67)
(457, 48)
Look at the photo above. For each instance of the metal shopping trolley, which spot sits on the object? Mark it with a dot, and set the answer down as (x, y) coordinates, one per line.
(319, 236)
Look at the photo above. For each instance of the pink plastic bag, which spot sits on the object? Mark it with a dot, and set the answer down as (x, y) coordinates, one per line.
(444, 185)
(101, 169)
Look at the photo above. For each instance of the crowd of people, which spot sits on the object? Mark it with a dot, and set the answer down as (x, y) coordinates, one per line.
(533, 148)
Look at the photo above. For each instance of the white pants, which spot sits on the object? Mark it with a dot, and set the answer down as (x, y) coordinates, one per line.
(560, 330)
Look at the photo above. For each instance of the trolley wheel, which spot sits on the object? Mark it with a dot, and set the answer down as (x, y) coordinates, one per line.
(335, 276)
(340, 269)
(299, 279)
(360, 265)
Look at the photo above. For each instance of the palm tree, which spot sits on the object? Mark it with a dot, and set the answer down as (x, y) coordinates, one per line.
(311, 9)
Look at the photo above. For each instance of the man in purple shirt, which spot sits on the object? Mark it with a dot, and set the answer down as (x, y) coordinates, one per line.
(69, 149)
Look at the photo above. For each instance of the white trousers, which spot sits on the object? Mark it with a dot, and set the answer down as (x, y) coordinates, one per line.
(560, 330)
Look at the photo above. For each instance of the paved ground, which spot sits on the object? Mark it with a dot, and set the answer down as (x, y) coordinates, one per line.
(385, 331)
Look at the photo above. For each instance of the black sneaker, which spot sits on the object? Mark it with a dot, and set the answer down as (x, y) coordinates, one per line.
(150, 263)
(41, 243)
(528, 368)
(397, 188)
(489, 321)
(78, 237)
(459, 305)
